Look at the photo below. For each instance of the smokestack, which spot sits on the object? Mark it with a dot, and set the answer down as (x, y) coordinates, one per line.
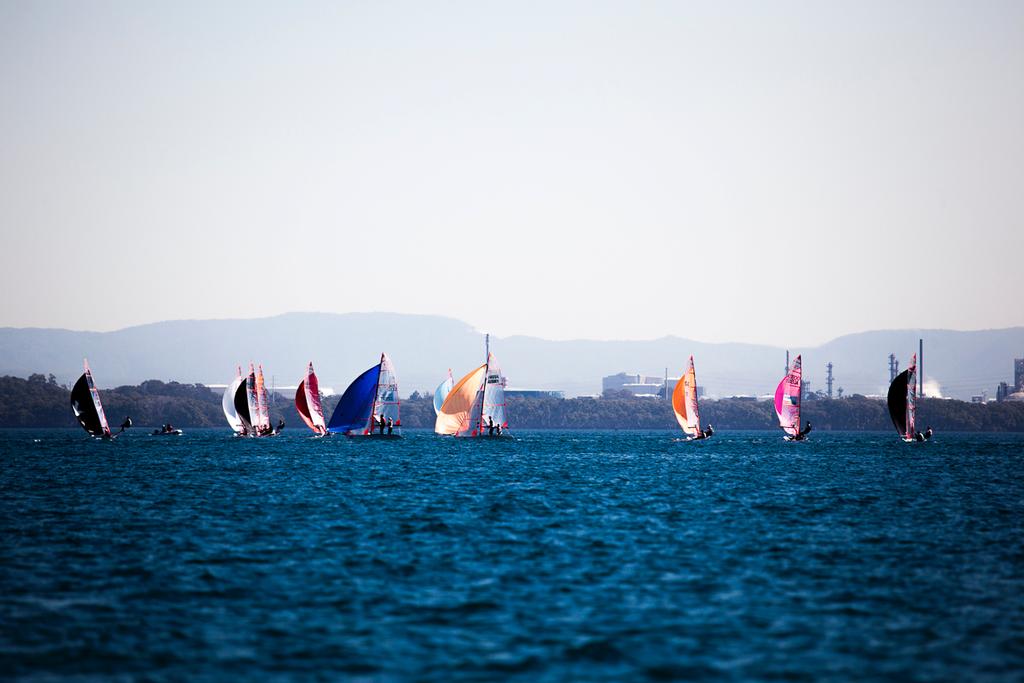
(920, 365)
(787, 361)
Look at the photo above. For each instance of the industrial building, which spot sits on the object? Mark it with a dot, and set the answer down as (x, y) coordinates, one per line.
(648, 386)
(1016, 392)
(638, 385)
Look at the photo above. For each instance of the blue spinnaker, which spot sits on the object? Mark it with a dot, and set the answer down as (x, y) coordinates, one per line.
(441, 393)
(352, 415)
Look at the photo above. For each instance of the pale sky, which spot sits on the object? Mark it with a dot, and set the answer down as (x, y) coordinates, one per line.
(766, 172)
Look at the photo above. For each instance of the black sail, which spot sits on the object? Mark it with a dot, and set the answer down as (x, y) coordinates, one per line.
(84, 409)
(242, 406)
(897, 401)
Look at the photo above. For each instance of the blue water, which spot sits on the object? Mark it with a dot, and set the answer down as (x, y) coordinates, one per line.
(593, 556)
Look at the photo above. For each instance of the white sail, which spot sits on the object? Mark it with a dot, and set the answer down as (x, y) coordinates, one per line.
(385, 403)
(228, 404)
(493, 396)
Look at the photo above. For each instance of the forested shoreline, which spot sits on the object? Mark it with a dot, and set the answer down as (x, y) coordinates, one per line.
(40, 401)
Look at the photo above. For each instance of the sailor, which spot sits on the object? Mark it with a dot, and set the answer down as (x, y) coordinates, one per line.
(490, 426)
(807, 429)
(709, 431)
(391, 425)
(928, 433)
(280, 425)
(383, 423)
(499, 430)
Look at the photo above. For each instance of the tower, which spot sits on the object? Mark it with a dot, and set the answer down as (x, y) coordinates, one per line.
(894, 367)
(828, 378)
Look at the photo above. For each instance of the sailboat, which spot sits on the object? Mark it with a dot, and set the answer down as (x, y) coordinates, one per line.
(902, 402)
(370, 405)
(251, 414)
(307, 402)
(787, 404)
(476, 404)
(88, 409)
(442, 391)
(684, 404)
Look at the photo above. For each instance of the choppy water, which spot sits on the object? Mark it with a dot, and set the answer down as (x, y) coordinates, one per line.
(594, 556)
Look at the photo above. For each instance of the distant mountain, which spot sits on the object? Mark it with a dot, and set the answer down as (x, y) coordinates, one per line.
(424, 347)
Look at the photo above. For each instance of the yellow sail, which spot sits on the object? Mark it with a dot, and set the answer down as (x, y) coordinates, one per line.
(454, 417)
(684, 401)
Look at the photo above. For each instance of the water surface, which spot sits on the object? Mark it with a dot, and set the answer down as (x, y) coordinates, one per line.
(591, 556)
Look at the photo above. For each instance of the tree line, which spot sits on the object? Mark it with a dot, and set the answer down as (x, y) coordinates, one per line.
(39, 401)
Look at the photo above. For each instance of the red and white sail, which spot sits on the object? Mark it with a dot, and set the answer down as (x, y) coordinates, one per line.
(307, 402)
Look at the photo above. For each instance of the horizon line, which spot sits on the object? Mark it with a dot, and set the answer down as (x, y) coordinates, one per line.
(476, 330)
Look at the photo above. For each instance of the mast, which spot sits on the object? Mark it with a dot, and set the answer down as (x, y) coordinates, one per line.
(483, 387)
(695, 404)
(694, 381)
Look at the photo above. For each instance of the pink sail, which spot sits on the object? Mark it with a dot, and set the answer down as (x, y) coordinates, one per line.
(787, 400)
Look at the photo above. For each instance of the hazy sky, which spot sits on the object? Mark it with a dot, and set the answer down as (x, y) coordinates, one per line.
(765, 172)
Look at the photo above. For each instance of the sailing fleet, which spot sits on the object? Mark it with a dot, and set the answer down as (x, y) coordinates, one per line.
(472, 407)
